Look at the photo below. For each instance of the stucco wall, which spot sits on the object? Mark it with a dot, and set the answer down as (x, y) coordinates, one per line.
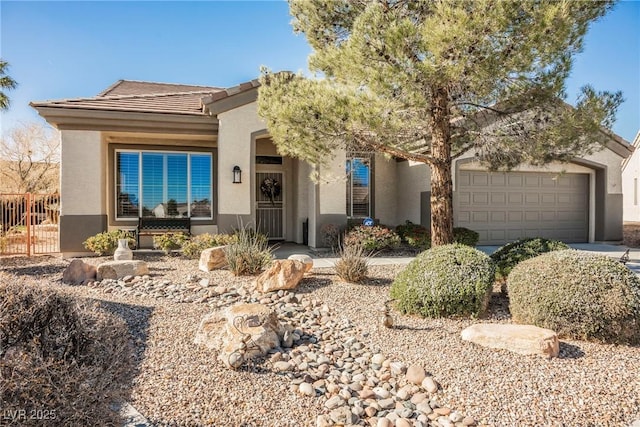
(631, 190)
(385, 187)
(235, 148)
(83, 173)
(413, 178)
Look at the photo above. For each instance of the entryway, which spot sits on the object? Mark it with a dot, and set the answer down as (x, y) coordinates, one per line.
(270, 206)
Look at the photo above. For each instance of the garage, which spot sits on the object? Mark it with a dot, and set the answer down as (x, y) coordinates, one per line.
(505, 206)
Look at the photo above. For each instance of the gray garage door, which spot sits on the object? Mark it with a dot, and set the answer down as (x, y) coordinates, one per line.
(503, 207)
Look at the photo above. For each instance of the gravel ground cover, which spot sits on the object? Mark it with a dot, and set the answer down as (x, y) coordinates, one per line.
(179, 383)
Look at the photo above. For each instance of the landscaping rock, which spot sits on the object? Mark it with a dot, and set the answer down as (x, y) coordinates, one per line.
(256, 320)
(521, 339)
(282, 275)
(305, 259)
(120, 269)
(209, 330)
(212, 258)
(79, 273)
(415, 374)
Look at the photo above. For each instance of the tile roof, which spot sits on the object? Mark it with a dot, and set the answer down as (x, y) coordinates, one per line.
(134, 87)
(242, 87)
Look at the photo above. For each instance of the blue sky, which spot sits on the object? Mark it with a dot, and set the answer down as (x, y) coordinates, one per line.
(77, 49)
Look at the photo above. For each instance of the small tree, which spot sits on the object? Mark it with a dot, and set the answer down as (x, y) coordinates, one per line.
(6, 83)
(430, 81)
(30, 157)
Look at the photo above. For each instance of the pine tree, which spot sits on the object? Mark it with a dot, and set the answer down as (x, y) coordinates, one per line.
(430, 80)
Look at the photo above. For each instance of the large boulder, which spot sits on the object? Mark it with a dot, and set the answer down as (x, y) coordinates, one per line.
(79, 273)
(212, 258)
(521, 339)
(120, 269)
(242, 332)
(305, 259)
(283, 274)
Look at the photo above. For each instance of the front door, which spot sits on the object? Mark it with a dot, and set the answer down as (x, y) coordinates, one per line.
(270, 204)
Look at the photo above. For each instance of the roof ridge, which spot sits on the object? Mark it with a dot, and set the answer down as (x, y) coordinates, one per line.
(121, 81)
(129, 96)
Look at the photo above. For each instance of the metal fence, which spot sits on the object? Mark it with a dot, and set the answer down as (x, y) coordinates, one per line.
(29, 223)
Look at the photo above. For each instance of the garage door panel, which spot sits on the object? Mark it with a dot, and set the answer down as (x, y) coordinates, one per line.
(504, 207)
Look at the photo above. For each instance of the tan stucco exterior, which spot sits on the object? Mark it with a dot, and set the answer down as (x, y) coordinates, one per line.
(631, 184)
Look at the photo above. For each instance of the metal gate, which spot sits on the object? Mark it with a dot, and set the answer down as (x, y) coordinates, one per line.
(270, 204)
(29, 223)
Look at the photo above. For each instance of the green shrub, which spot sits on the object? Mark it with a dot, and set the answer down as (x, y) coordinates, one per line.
(372, 238)
(193, 247)
(579, 295)
(465, 236)
(353, 265)
(169, 241)
(249, 254)
(106, 243)
(513, 253)
(415, 235)
(61, 355)
(448, 280)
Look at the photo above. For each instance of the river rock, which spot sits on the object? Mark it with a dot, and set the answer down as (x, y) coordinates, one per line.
(521, 339)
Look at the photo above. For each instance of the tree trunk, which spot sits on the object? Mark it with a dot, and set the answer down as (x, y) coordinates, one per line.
(441, 180)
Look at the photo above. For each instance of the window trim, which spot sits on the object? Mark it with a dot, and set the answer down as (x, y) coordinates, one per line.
(370, 157)
(188, 153)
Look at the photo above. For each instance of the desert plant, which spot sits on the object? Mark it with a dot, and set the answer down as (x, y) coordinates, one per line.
(353, 264)
(105, 243)
(249, 254)
(415, 235)
(169, 241)
(448, 280)
(372, 238)
(193, 247)
(509, 255)
(61, 356)
(330, 235)
(577, 294)
(465, 236)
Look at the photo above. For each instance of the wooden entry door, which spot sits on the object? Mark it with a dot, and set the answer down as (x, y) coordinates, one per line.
(270, 207)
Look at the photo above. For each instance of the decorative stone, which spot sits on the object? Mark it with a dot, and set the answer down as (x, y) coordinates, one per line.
(282, 275)
(521, 339)
(305, 259)
(403, 422)
(212, 258)
(79, 273)
(120, 269)
(343, 416)
(430, 385)
(307, 389)
(415, 374)
(123, 253)
(334, 402)
(384, 422)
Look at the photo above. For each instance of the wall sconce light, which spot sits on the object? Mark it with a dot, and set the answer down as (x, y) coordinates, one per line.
(237, 175)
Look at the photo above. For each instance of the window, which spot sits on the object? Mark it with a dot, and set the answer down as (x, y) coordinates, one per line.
(163, 184)
(359, 186)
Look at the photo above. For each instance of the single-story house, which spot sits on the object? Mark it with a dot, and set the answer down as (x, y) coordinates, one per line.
(142, 149)
(630, 176)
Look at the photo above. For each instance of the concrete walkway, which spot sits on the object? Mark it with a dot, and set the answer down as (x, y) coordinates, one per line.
(321, 259)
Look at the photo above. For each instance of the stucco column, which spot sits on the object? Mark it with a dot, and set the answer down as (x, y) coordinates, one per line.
(83, 189)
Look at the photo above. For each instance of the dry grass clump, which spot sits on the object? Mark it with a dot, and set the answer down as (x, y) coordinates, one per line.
(353, 264)
(61, 361)
(578, 295)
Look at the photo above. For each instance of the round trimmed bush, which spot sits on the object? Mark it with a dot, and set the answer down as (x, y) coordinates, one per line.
(62, 355)
(579, 295)
(448, 280)
(513, 253)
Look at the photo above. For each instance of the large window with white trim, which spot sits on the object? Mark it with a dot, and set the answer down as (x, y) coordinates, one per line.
(163, 184)
(358, 186)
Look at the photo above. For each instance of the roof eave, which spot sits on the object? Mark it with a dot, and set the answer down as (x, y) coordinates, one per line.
(127, 121)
